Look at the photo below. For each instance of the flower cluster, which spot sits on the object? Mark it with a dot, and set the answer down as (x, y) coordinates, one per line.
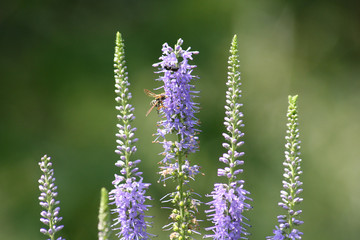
(50, 216)
(178, 107)
(129, 190)
(291, 183)
(177, 132)
(229, 199)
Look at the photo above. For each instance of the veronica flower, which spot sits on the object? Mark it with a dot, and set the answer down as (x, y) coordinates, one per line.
(129, 190)
(177, 132)
(229, 199)
(49, 216)
(291, 183)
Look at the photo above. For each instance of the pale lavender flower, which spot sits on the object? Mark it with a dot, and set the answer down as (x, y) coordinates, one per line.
(49, 216)
(177, 132)
(291, 183)
(129, 190)
(230, 199)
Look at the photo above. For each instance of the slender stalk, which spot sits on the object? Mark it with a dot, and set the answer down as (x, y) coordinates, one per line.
(50, 215)
(287, 227)
(129, 191)
(229, 201)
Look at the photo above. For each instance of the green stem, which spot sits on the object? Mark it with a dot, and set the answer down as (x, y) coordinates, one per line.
(181, 202)
(233, 124)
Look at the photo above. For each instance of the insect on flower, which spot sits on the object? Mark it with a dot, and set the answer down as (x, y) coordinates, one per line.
(157, 102)
(172, 68)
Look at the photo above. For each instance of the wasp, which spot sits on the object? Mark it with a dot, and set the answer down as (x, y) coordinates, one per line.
(157, 102)
(172, 68)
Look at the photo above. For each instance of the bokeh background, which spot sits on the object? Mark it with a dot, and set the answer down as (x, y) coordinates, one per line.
(57, 98)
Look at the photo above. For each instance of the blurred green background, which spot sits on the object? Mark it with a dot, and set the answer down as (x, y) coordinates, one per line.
(57, 98)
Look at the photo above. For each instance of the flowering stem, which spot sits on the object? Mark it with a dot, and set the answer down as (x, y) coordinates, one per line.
(292, 163)
(129, 190)
(229, 200)
(291, 183)
(178, 118)
(49, 216)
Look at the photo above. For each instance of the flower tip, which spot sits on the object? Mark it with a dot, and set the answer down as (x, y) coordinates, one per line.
(234, 38)
(293, 99)
(118, 38)
(179, 42)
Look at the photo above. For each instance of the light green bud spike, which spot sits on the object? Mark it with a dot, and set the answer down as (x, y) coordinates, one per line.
(104, 225)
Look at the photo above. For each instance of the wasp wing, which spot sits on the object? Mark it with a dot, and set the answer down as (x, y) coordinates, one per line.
(150, 93)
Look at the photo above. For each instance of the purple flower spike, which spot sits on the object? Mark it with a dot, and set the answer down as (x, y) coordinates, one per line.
(177, 132)
(289, 197)
(129, 190)
(129, 198)
(230, 199)
(178, 107)
(50, 216)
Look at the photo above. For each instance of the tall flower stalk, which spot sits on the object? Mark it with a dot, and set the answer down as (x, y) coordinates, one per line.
(229, 199)
(177, 132)
(129, 191)
(49, 216)
(287, 228)
(104, 225)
